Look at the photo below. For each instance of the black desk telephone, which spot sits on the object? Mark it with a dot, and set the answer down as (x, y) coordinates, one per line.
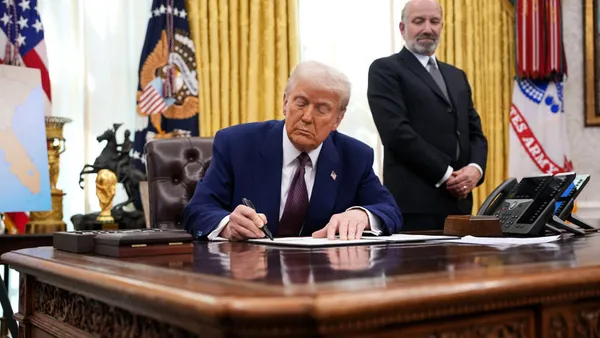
(528, 207)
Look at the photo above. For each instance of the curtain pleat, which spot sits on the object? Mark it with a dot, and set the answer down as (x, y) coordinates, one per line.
(246, 51)
(478, 37)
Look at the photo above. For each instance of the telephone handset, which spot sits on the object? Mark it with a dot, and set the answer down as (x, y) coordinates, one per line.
(529, 205)
(493, 201)
(527, 189)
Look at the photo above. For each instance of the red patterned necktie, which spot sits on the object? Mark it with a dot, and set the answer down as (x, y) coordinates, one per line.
(296, 205)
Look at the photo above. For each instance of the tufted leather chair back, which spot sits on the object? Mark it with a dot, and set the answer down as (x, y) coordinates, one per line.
(174, 167)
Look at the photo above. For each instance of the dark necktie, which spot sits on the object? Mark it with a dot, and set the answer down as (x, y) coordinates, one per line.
(296, 205)
(437, 77)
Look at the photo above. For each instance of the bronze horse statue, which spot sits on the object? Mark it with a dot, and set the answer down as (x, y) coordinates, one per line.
(116, 157)
(106, 158)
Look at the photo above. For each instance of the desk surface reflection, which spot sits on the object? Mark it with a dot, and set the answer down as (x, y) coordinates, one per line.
(242, 289)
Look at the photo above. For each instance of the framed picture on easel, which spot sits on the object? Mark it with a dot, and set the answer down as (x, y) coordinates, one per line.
(592, 62)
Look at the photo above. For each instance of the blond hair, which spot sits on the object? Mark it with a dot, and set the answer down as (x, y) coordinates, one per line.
(320, 75)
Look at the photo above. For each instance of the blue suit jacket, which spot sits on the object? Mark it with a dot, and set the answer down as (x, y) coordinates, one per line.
(248, 161)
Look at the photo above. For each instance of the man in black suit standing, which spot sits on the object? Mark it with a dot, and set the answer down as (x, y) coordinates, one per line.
(435, 151)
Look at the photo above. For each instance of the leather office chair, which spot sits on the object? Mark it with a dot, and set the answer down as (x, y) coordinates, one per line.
(173, 168)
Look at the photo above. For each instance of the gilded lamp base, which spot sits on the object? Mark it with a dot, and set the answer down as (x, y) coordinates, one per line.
(43, 222)
(47, 222)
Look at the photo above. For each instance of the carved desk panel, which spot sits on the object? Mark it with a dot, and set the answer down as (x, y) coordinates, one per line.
(248, 290)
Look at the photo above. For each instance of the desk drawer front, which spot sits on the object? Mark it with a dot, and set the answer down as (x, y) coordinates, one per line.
(519, 324)
(576, 320)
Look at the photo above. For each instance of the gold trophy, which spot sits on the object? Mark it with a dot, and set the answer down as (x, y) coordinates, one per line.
(51, 221)
(106, 187)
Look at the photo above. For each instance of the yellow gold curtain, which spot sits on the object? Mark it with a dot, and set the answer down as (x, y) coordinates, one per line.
(245, 50)
(478, 36)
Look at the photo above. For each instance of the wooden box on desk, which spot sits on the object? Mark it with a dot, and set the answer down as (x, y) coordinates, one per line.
(465, 225)
(143, 243)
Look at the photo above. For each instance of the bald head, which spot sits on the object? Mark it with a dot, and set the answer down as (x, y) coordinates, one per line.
(421, 25)
(419, 4)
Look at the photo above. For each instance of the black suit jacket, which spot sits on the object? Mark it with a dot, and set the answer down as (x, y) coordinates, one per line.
(419, 129)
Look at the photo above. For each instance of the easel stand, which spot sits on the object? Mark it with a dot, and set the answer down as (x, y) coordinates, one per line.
(7, 320)
(8, 313)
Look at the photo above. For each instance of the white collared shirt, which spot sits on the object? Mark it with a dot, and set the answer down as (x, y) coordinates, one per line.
(290, 165)
(424, 59)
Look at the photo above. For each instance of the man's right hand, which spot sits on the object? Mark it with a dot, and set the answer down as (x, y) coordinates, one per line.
(244, 223)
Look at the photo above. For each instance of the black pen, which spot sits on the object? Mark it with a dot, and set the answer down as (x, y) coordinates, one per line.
(264, 228)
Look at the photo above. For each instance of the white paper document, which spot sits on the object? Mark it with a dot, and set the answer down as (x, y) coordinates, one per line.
(504, 241)
(314, 242)
(498, 242)
(406, 238)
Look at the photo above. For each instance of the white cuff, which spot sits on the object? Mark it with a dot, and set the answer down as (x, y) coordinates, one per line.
(374, 221)
(214, 235)
(446, 177)
(478, 168)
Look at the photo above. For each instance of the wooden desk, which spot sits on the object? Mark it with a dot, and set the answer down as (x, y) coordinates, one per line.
(9, 243)
(245, 290)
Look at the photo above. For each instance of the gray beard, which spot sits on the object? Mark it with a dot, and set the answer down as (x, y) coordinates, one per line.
(414, 47)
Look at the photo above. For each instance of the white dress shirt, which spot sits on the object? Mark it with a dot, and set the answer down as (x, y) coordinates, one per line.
(424, 60)
(290, 164)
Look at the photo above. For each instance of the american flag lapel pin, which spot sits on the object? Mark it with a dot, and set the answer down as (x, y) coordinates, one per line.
(333, 175)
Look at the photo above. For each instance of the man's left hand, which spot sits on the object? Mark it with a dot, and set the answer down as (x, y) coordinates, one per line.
(349, 225)
(463, 181)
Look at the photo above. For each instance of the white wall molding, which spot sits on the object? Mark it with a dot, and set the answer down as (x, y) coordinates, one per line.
(582, 141)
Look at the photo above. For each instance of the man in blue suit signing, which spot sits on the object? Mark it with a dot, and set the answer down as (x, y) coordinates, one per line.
(302, 175)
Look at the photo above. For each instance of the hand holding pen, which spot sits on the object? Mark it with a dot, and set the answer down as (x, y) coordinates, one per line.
(264, 227)
(245, 223)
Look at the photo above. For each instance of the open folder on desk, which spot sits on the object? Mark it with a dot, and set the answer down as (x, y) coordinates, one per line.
(323, 242)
